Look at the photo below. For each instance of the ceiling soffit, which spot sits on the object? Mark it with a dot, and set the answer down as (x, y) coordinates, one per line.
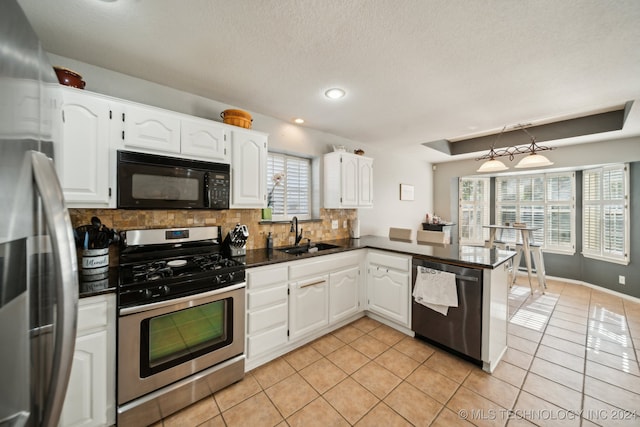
(587, 125)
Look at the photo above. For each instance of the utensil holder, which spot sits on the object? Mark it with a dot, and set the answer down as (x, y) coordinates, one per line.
(95, 261)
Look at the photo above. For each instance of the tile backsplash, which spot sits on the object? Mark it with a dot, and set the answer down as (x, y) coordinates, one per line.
(316, 230)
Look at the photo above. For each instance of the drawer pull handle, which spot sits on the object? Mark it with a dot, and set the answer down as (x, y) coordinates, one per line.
(313, 283)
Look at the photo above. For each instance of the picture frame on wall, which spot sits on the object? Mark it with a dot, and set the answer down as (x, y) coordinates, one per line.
(406, 192)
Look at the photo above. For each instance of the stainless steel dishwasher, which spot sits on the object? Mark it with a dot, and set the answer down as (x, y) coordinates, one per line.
(461, 329)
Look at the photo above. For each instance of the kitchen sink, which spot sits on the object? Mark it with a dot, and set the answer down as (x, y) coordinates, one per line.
(303, 249)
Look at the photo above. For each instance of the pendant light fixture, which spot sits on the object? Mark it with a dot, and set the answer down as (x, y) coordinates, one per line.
(492, 165)
(532, 160)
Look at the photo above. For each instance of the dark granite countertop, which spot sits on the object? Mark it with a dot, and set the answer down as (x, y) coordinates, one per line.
(468, 256)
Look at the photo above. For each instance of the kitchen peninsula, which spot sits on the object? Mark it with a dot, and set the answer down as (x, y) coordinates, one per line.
(388, 300)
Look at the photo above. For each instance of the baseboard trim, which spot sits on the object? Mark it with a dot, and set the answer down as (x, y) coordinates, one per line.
(589, 285)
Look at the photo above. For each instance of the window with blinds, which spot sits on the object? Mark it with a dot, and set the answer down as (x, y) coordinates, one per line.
(473, 210)
(605, 223)
(544, 201)
(288, 186)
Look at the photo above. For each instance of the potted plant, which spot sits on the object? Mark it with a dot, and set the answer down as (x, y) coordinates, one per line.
(267, 212)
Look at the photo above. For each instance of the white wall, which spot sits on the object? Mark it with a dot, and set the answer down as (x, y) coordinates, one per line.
(389, 171)
(391, 167)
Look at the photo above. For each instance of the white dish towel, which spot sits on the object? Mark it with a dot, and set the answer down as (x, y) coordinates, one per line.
(435, 289)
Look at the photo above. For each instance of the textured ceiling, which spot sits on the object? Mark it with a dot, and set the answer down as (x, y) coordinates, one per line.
(414, 70)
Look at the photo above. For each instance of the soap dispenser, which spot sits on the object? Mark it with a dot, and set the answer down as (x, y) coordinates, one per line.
(269, 242)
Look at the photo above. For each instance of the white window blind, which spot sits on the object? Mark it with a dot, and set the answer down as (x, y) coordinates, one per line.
(605, 233)
(544, 201)
(291, 196)
(473, 210)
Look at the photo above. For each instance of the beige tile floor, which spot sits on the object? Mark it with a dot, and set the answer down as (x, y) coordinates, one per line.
(572, 360)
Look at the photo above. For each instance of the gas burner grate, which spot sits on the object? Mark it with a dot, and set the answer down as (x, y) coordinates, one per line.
(213, 262)
(151, 271)
(154, 270)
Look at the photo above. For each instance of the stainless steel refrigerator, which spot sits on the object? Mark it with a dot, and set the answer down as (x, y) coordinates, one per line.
(38, 266)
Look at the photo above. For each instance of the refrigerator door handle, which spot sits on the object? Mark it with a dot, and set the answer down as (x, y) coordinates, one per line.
(59, 225)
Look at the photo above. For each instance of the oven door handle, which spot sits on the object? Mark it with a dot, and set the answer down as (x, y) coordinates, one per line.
(147, 307)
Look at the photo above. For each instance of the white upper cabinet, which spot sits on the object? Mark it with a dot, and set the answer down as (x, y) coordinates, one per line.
(83, 160)
(365, 182)
(156, 130)
(205, 139)
(151, 128)
(248, 169)
(348, 181)
(95, 126)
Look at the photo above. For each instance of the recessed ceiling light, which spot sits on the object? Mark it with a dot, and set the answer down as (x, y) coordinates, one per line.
(299, 121)
(335, 93)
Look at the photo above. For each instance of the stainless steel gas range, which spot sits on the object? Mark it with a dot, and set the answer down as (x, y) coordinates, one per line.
(181, 310)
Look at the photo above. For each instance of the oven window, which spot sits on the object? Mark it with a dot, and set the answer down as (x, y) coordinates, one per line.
(160, 187)
(174, 338)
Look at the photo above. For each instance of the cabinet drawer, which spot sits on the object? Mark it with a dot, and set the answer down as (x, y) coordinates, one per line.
(397, 262)
(257, 278)
(266, 341)
(267, 296)
(92, 315)
(324, 264)
(267, 318)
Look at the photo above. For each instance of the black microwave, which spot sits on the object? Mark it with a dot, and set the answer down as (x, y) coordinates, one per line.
(149, 181)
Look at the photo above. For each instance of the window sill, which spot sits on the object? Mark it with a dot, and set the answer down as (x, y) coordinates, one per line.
(620, 261)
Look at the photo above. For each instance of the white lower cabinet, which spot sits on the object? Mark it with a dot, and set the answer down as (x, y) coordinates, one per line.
(344, 294)
(308, 306)
(267, 310)
(90, 399)
(389, 286)
(292, 303)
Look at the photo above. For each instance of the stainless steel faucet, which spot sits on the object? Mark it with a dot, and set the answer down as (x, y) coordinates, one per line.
(294, 222)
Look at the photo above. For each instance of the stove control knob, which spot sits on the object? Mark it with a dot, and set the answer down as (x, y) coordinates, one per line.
(164, 290)
(217, 280)
(146, 293)
(231, 276)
